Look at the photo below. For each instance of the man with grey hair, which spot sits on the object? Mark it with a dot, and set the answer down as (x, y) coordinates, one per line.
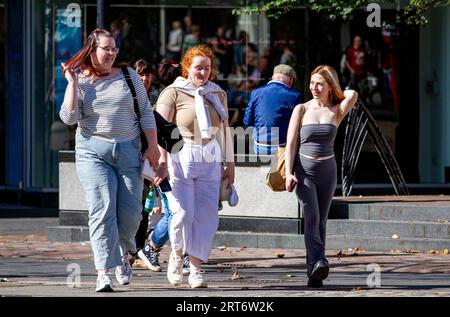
(270, 108)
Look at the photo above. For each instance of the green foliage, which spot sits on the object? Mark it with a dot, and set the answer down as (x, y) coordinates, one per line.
(414, 13)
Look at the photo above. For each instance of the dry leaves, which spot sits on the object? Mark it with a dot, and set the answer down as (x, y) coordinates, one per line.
(444, 252)
(236, 276)
(349, 252)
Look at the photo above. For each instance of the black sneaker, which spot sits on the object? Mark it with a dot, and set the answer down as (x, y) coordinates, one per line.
(150, 257)
(314, 283)
(186, 265)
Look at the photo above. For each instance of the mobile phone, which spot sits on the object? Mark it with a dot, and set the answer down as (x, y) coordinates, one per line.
(165, 185)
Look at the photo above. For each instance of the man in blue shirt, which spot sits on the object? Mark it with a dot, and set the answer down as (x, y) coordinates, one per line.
(270, 108)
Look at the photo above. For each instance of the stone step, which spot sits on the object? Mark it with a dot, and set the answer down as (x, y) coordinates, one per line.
(67, 233)
(387, 228)
(337, 242)
(259, 240)
(334, 242)
(73, 218)
(401, 212)
(277, 240)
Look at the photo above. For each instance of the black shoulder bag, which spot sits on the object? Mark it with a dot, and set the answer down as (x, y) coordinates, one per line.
(169, 136)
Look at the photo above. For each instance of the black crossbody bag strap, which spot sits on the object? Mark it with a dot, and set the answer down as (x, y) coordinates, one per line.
(127, 76)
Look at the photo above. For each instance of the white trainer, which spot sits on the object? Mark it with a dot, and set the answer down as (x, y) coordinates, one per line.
(196, 280)
(104, 283)
(124, 273)
(175, 269)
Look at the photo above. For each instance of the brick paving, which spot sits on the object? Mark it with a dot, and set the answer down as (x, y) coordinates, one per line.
(32, 266)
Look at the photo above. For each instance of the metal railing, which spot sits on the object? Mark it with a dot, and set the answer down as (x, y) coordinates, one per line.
(360, 122)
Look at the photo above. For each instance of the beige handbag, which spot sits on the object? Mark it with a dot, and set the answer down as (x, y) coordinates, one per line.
(276, 177)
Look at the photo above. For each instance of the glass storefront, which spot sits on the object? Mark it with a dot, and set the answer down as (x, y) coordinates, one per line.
(247, 49)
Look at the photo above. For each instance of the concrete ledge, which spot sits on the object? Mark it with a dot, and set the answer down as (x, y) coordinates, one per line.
(67, 233)
(73, 218)
(338, 242)
(390, 211)
(257, 224)
(387, 228)
(259, 240)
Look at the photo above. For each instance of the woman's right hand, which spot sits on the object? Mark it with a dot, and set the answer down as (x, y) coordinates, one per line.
(70, 75)
(291, 181)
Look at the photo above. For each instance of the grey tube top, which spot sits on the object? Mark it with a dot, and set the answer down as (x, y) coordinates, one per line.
(317, 139)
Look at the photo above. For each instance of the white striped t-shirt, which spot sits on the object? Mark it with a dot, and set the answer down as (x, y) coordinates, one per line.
(106, 110)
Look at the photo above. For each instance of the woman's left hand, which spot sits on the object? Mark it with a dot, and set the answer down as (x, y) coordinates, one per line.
(229, 173)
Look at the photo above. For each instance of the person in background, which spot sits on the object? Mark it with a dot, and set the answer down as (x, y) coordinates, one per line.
(269, 110)
(356, 65)
(313, 127)
(174, 45)
(199, 108)
(168, 71)
(143, 69)
(191, 39)
(108, 151)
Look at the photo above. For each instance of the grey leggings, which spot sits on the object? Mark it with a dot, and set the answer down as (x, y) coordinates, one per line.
(315, 190)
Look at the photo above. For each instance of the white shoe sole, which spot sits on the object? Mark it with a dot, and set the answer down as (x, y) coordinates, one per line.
(198, 285)
(105, 289)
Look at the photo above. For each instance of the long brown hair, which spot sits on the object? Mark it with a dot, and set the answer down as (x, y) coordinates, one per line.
(198, 50)
(330, 75)
(82, 60)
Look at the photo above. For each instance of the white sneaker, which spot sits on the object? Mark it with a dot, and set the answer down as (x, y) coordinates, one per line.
(175, 269)
(196, 280)
(124, 273)
(104, 283)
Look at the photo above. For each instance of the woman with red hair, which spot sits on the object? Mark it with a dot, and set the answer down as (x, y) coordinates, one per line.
(108, 151)
(199, 108)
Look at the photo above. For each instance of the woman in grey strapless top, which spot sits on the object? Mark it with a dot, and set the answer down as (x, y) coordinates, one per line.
(314, 170)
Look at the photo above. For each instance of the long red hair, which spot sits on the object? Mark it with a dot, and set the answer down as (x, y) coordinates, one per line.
(198, 50)
(82, 59)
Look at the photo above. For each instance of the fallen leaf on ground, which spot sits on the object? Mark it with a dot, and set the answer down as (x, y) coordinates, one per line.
(444, 252)
(412, 251)
(235, 276)
(349, 252)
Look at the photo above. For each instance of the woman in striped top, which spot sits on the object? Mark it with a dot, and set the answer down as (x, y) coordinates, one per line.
(108, 151)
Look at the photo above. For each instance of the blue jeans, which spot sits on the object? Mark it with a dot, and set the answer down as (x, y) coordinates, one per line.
(110, 174)
(160, 234)
(265, 150)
